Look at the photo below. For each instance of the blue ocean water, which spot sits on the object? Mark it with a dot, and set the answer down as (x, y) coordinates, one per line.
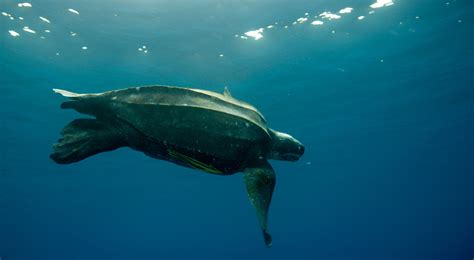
(381, 94)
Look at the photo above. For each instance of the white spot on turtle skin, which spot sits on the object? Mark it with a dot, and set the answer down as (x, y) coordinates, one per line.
(308, 163)
(57, 53)
(73, 34)
(247, 124)
(21, 18)
(84, 47)
(47, 31)
(114, 98)
(361, 17)
(6, 14)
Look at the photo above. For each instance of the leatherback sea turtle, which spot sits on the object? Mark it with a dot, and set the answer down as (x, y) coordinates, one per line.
(200, 129)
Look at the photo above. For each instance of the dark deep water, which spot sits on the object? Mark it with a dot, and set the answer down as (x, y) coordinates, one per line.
(384, 106)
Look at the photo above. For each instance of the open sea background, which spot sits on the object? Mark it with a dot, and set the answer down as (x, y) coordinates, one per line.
(383, 104)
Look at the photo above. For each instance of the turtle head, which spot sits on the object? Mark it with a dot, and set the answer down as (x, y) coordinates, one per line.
(285, 147)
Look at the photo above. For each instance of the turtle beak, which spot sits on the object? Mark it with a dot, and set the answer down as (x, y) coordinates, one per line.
(299, 152)
(296, 152)
(300, 149)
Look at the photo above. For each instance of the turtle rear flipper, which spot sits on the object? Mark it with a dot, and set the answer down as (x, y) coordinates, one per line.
(83, 138)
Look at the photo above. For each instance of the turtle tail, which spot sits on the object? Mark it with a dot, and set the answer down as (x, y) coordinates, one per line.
(82, 138)
(89, 104)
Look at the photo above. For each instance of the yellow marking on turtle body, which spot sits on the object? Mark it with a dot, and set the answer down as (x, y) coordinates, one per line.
(193, 163)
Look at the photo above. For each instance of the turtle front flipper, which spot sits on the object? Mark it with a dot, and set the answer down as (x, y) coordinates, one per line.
(260, 182)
